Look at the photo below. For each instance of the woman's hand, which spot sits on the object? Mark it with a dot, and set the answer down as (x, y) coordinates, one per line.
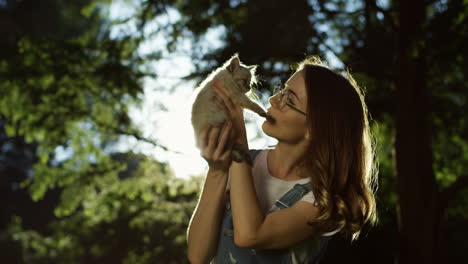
(214, 146)
(234, 113)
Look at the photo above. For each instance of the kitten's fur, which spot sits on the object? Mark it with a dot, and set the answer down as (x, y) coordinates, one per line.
(237, 78)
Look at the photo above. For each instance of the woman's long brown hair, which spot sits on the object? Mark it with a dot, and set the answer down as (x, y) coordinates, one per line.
(341, 156)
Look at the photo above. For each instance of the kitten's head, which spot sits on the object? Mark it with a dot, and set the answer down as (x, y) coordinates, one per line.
(242, 74)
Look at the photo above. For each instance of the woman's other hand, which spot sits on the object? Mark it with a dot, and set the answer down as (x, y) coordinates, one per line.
(215, 147)
(235, 113)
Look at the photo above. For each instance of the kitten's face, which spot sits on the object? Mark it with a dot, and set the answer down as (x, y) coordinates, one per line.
(241, 73)
(243, 78)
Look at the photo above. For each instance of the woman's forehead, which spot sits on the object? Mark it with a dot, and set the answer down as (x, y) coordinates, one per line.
(296, 78)
(297, 82)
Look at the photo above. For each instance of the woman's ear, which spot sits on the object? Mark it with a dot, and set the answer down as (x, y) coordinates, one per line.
(307, 135)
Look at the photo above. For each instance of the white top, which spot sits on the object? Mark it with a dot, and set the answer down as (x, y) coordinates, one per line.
(269, 189)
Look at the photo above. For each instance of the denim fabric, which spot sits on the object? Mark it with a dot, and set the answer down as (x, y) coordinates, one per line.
(228, 252)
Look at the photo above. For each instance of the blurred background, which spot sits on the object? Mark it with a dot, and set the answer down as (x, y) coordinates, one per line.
(97, 157)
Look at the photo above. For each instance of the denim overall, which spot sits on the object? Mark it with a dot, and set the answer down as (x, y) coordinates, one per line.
(228, 252)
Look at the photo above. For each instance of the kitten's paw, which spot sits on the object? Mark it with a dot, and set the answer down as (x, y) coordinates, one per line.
(268, 117)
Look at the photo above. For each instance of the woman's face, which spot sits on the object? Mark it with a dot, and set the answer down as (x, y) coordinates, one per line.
(289, 125)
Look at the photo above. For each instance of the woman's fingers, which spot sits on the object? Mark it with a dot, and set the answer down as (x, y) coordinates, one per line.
(223, 139)
(203, 138)
(226, 99)
(219, 102)
(226, 155)
(215, 146)
(213, 140)
(222, 93)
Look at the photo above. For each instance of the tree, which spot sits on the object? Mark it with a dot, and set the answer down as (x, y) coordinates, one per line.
(413, 140)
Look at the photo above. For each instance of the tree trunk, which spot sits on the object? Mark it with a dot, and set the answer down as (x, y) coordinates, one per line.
(416, 181)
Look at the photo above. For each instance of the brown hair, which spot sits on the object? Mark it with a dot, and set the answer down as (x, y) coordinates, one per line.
(341, 156)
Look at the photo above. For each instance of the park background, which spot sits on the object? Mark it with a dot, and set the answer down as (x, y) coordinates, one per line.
(97, 160)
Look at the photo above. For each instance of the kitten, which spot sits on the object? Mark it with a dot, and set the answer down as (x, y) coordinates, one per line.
(237, 78)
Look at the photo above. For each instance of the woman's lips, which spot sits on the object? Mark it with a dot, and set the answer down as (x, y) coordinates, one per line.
(270, 118)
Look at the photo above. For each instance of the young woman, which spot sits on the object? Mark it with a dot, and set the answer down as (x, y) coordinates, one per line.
(319, 180)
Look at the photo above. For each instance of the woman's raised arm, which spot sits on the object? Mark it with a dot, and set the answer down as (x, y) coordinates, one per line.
(203, 231)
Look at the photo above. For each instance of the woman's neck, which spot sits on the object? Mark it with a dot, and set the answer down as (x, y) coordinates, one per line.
(284, 160)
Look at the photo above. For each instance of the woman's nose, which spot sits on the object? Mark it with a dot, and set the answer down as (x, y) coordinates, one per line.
(274, 101)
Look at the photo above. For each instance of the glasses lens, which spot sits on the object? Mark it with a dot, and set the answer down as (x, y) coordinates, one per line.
(283, 98)
(277, 95)
(277, 88)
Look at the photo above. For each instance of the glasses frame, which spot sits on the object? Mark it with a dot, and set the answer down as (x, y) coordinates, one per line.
(283, 100)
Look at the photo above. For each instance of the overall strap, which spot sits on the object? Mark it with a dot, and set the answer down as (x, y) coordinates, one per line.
(254, 153)
(293, 195)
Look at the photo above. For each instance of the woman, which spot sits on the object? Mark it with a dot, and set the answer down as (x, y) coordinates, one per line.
(318, 181)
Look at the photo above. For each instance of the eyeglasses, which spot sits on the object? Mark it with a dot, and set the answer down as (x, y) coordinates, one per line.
(284, 99)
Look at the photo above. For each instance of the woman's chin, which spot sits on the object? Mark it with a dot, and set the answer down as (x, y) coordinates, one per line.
(266, 127)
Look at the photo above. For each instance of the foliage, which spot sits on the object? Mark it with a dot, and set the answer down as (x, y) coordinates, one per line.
(66, 87)
(139, 217)
(72, 91)
(263, 32)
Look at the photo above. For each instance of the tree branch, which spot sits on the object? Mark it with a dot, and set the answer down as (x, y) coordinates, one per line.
(134, 134)
(328, 47)
(332, 13)
(387, 14)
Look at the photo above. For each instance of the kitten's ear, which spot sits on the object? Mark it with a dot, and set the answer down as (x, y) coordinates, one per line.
(252, 68)
(234, 64)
